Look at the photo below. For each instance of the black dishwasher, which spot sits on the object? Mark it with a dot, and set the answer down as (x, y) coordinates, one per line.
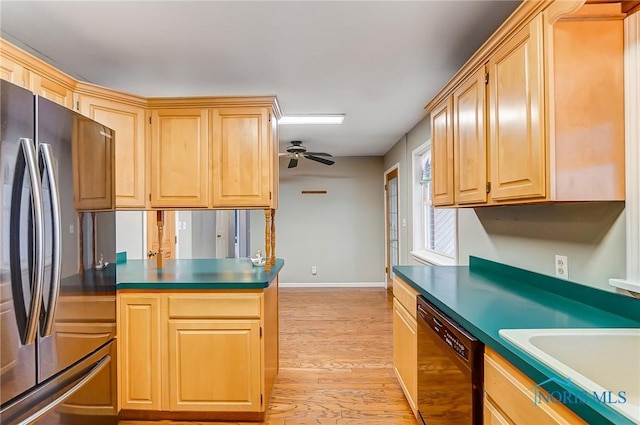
(450, 370)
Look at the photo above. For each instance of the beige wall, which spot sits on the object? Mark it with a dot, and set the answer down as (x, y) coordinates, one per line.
(591, 235)
(401, 154)
(341, 233)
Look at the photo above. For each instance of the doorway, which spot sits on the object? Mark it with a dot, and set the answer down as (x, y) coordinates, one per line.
(392, 231)
(169, 239)
(225, 234)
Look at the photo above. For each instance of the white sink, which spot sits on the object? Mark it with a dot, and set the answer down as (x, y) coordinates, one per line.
(596, 360)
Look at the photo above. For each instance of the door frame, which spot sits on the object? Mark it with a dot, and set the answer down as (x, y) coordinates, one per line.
(395, 167)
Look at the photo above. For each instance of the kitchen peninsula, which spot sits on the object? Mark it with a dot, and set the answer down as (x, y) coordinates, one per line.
(198, 339)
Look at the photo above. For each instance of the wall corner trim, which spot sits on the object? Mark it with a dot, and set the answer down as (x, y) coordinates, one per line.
(632, 153)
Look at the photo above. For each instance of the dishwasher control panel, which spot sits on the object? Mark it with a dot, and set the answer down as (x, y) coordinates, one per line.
(453, 342)
(446, 330)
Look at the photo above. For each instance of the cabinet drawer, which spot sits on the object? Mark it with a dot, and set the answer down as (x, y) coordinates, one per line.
(511, 391)
(214, 306)
(492, 415)
(405, 352)
(405, 294)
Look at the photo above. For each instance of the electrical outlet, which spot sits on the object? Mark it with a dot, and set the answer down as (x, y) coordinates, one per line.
(562, 267)
(314, 270)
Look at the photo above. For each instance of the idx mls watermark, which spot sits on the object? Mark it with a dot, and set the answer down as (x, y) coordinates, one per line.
(574, 395)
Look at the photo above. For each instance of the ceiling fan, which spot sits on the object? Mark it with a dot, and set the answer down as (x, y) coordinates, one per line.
(297, 151)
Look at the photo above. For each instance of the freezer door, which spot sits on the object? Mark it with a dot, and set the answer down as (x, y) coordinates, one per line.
(83, 394)
(17, 243)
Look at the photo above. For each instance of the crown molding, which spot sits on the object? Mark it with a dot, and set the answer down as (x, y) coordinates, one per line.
(34, 64)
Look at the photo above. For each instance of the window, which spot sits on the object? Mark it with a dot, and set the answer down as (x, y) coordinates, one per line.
(434, 229)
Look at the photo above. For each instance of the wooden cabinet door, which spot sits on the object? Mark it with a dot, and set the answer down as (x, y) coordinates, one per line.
(179, 158)
(516, 110)
(92, 153)
(52, 90)
(242, 157)
(129, 124)
(139, 351)
(469, 140)
(214, 365)
(405, 352)
(14, 72)
(442, 154)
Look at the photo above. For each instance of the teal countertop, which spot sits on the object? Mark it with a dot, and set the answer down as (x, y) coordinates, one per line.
(485, 297)
(230, 273)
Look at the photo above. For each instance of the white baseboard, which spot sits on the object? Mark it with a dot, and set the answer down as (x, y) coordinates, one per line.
(332, 285)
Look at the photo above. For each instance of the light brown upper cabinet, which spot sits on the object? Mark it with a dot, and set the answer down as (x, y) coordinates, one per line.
(516, 116)
(29, 72)
(538, 112)
(170, 153)
(14, 72)
(126, 116)
(469, 140)
(92, 155)
(52, 90)
(442, 154)
(243, 152)
(179, 158)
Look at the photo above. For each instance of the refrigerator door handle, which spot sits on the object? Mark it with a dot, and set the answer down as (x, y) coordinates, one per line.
(36, 191)
(52, 174)
(88, 377)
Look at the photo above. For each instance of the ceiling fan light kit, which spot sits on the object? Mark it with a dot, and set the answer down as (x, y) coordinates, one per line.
(296, 151)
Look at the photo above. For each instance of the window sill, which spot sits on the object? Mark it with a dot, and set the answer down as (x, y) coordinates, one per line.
(627, 285)
(432, 258)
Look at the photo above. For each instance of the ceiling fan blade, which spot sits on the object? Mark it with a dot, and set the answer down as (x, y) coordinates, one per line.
(320, 160)
(318, 153)
(293, 163)
(281, 154)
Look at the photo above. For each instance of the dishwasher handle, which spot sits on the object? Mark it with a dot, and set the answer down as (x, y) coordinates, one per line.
(424, 315)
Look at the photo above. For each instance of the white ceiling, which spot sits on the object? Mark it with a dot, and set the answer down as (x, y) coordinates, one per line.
(378, 62)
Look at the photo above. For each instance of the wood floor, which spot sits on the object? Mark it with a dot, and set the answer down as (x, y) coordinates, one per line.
(336, 364)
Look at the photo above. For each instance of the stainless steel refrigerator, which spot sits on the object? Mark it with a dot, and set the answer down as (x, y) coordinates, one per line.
(57, 296)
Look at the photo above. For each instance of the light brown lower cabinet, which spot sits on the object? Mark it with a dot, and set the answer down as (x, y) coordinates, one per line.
(510, 400)
(230, 378)
(492, 414)
(139, 351)
(405, 340)
(212, 352)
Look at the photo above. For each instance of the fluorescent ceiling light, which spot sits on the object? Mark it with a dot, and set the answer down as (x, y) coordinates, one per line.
(311, 119)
